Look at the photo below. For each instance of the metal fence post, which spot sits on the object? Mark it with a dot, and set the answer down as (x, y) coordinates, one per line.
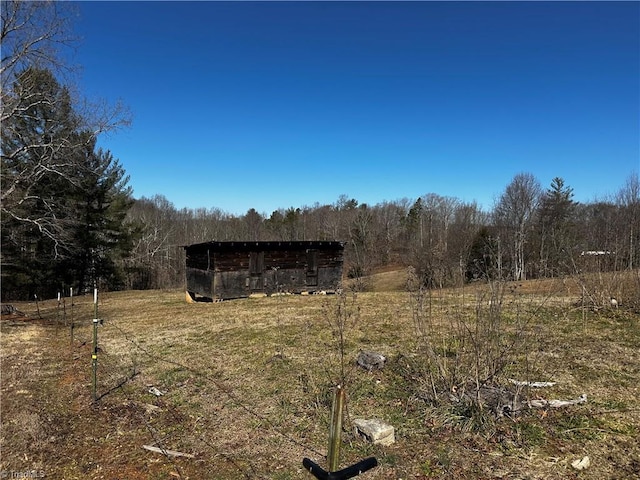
(71, 297)
(94, 355)
(94, 361)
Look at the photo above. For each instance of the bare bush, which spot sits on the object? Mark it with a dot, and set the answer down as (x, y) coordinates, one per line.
(342, 317)
(466, 357)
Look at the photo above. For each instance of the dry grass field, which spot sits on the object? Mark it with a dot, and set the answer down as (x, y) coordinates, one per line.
(247, 384)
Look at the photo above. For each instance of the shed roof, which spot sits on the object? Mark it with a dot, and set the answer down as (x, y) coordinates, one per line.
(243, 245)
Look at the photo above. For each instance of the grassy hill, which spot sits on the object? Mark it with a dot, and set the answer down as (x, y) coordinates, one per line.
(247, 384)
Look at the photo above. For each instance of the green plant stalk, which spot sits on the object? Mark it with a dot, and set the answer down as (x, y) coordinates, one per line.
(335, 430)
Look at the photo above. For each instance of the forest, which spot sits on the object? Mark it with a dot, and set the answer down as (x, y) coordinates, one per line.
(69, 218)
(530, 233)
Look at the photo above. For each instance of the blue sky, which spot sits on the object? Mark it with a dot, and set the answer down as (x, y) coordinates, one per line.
(268, 105)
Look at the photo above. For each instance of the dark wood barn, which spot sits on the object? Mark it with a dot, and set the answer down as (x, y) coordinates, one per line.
(223, 270)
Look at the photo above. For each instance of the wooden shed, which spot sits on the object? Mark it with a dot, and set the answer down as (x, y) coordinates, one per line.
(223, 270)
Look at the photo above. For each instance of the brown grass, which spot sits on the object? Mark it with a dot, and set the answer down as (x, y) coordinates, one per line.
(248, 387)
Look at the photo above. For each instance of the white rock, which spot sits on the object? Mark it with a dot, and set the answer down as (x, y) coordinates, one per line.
(581, 464)
(155, 391)
(375, 431)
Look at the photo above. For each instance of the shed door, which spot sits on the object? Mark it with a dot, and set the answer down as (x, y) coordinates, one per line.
(256, 271)
(312, 267)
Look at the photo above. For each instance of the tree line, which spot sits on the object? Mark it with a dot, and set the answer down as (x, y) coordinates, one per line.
(69, 219)
(531, 232)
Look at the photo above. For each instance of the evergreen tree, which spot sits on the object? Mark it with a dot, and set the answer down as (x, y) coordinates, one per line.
(556, 231)
(483, 256)
(414, 221)
(100, 236)
(63, 202)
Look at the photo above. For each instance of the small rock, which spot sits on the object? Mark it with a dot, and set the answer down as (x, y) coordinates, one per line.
(371, 360)
(581, 464)
(375, 431)
(155, 391)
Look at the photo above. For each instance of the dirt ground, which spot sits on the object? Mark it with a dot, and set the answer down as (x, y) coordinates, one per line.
(247, 392)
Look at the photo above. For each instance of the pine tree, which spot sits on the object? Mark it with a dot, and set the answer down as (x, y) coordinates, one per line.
(557, 234)
(63, 202)
(101, 237)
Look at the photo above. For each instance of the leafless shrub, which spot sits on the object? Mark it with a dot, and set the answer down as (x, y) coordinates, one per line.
(342, 313)
(466, 356)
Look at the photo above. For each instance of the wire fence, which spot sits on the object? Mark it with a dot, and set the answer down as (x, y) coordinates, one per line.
(120, 360)
(119, 373)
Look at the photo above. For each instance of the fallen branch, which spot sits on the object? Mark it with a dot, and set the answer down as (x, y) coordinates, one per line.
(558, 403)
(532, 384)
(168, 453)
(11, 310)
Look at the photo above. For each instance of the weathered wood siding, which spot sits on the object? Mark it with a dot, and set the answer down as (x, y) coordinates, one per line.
(219, 270)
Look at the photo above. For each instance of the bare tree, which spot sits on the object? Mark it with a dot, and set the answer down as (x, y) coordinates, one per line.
(388, 218)
(32, 34)
(254, 222)
(150, 264)
(514, 212)
(628, 200)
(361, 240)
(317, 220)
(39, 142)
(428, 224)
(468, 220)
(43, 125)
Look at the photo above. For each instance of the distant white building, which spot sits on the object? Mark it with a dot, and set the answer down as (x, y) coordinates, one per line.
(595, 253)
(597, 260)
